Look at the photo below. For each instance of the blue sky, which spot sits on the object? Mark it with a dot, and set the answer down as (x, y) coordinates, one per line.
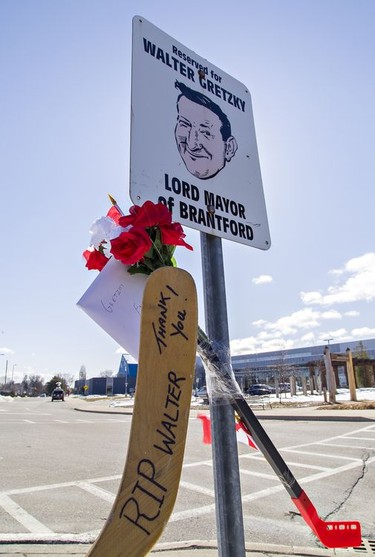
(64, 143)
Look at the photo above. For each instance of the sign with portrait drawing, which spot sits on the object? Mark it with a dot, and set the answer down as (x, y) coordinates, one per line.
(193, 143)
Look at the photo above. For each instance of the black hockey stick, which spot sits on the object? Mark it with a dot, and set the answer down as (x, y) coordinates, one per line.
(331, 534)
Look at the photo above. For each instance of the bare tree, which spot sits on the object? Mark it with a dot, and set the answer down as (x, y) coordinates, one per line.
(25, 385)
(82, 372)
(364, 373)
(69, 379)
(283, 371)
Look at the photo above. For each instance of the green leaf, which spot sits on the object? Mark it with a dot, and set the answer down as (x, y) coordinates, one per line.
(139, 269)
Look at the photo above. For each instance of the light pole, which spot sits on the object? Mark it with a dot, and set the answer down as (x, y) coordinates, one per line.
(6, 372)
(2, 354)
(124, 369)
(126, 376)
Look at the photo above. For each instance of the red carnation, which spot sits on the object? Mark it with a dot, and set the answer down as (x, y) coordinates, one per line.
(148, 215)
(131, 246)
(173, 235)
(95, 260)
(129, 219)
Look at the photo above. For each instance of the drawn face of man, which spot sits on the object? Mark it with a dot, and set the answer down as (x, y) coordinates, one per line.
(199, 140)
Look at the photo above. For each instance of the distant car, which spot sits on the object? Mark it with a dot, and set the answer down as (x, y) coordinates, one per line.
(284, 387)
(255, 390)
(57, 394)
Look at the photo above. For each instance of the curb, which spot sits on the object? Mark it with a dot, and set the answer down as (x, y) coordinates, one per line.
(335, 417)
(177, 549)
(89, 411)
(323, 418)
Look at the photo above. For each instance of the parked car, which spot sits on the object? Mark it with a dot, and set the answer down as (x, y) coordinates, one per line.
(57, 394)
(201, 392)
(255, 390)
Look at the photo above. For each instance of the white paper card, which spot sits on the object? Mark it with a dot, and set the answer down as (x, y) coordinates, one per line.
(114, 302)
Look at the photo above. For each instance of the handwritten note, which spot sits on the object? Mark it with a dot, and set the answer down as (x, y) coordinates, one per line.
(114, 302)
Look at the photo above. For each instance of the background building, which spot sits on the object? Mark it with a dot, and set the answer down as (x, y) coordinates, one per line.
(123, 383)
(280, 365)
(267, 367)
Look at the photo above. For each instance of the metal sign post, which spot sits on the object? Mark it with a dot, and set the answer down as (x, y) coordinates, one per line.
(229, 518)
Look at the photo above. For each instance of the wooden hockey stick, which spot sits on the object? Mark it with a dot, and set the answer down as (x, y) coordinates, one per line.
(151, 476)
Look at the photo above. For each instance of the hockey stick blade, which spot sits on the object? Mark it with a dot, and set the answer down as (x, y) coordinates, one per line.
(331, 534)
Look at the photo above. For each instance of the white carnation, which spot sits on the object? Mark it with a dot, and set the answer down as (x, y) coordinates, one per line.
(102, 231)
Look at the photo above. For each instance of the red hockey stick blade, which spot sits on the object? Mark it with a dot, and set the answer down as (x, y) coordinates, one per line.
(331, 534)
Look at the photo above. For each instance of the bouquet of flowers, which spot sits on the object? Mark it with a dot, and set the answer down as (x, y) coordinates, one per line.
(145, 239)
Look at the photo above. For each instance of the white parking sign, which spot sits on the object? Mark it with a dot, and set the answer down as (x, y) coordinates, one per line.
(193, 143)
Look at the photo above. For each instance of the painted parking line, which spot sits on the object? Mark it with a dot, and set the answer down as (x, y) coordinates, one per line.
(311, 466)
(323, 455)
(4, 422)
(97, 491)
(91, 485)
(197, 488)
(198, 463)
(29, 413)
(360, 438)
(329, 439)
(206, 509)
(20, 515)
(347, 446)
(35, 526)
(259, 474)
(61, 486)
(305, 464)
(339, 470)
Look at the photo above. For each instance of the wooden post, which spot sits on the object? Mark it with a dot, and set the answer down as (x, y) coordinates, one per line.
(331, 381)
(293, 390)
(313, 385)
(351, 376)
(277, 387)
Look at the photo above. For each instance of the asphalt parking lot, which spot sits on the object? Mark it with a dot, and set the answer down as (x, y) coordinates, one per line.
(362, 426)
